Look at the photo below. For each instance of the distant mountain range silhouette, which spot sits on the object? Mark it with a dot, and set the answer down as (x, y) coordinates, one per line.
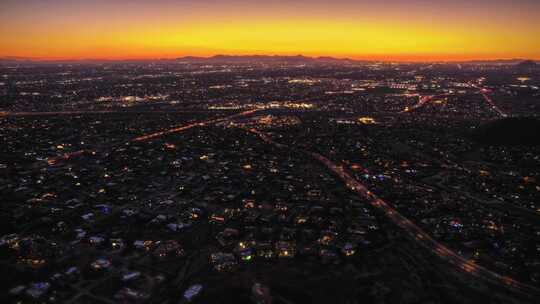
(298, 59)
(527, 64)
(239, 59)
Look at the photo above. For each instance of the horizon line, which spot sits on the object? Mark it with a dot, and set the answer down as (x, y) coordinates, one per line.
(345, 58)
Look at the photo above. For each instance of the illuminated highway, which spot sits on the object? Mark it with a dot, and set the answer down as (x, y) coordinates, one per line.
(193, 125)
(491, 103)
(82, 113)
(415, 232)
(423, 101)
(147, 137)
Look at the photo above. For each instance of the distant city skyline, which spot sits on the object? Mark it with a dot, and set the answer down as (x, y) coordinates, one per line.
(414, 30)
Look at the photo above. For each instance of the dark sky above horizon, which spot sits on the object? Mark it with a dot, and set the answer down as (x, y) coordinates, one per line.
(392, 29)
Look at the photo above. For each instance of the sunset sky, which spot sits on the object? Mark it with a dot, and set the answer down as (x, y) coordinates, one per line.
(360, 29)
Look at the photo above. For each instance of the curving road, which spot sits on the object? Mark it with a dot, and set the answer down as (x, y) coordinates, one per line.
(415, 232)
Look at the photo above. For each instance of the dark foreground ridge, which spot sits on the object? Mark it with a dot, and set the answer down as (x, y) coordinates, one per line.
(510, 131)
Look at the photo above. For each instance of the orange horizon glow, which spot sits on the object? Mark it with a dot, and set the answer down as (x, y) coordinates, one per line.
(375, 58)
(165, 29)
